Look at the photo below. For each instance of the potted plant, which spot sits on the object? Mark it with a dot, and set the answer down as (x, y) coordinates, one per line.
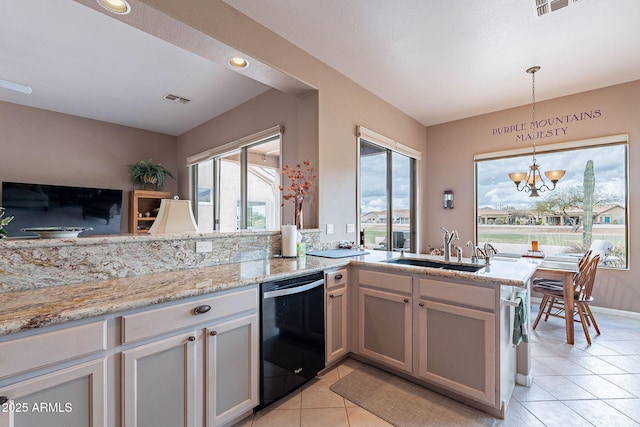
(146, 173)
(301, 178)
(3, 222)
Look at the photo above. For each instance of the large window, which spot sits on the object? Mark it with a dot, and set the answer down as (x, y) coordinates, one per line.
(568, 220)
(236, 186)
(387, 189)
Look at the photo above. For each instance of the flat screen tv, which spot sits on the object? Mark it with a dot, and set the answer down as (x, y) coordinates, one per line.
(43, 205)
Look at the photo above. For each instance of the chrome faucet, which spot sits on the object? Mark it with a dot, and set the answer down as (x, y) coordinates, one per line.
(448, 238)
(473, 251)
(488, 251)
(459, 253)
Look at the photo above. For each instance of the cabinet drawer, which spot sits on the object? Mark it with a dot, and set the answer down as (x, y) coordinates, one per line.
(337, 278)
(48, 348)
(158, 321)
(469, 295)
(391, 282)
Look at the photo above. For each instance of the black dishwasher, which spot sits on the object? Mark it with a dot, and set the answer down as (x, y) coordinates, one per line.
(292, 331)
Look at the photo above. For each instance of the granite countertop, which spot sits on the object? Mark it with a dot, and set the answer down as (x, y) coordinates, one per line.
(40, 307)
(502, 271)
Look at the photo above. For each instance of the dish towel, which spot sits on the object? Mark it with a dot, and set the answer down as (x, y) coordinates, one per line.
(520, 329)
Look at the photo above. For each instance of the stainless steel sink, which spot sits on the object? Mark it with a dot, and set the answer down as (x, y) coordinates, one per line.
(418, 262)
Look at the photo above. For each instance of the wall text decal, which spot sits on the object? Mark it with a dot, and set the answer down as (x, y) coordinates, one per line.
(546, 127)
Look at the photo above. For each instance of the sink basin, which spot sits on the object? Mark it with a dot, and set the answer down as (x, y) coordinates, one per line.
(436, 264)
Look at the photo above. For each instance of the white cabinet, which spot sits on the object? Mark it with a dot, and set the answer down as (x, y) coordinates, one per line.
(54, 377)
(385, 318)
(70, 397)
(205, 374)
(159, 383)
(179, 364)
(457, 338)
(336, 316)
(451, 334)
(457, 349)
(232, 369)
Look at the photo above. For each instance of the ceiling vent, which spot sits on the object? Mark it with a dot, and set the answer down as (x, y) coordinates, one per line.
(544, 7)
(176, 99)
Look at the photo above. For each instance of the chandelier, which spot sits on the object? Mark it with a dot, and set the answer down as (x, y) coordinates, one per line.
(533, 181)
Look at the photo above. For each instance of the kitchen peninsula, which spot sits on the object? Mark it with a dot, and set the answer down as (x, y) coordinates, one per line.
(121, 311)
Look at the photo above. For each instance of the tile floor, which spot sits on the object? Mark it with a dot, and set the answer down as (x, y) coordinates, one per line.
(574, 385)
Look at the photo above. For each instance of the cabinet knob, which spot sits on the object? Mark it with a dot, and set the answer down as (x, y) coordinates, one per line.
(3, 400)
(213, 333)
(421, 304)
(406, 300)
(201, 309)
(338, 276)
(192, 338)
(331, 296)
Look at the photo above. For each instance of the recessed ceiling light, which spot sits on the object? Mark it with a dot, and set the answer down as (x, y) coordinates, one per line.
(121, 7)
(238, 62)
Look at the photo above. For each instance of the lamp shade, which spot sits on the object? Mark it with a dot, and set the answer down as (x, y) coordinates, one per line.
(174, 216)
(554, 176)
(518, 177)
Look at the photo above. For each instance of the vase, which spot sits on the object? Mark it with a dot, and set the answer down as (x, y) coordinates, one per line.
(298, 216)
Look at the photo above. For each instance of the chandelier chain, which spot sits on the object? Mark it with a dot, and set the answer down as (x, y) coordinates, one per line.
(534, 183)
(534, 125)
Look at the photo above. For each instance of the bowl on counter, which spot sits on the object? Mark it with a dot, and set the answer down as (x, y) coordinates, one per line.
(56, 232)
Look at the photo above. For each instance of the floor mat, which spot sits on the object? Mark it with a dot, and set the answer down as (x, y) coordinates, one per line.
(403, 403)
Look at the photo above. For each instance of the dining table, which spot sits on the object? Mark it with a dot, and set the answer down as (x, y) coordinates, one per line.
(562, 271)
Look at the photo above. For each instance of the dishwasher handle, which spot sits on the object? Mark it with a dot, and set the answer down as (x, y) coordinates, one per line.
(293, 290)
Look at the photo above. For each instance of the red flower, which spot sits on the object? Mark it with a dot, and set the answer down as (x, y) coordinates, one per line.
(300, 181)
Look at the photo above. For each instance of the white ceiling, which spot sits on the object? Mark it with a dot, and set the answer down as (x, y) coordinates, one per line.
(82, 62)
(435, 60)
(439, 61)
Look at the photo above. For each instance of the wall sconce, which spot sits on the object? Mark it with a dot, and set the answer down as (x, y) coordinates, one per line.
(447, 199)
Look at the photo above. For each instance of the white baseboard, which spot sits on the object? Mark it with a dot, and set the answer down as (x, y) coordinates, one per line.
(604, 310)
(524, 380)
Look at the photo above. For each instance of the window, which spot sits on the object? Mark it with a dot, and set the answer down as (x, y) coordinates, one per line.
(237, 184)
(563, 221)
(205, 195)
(387, 192)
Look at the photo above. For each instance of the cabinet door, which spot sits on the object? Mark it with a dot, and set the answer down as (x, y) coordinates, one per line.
(457, 349)
(71, 397)
(384, 327)
(159, 383)
(232, 369)
(336, 336)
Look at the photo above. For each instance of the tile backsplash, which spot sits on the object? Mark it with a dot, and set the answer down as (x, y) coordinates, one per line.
(39, 263)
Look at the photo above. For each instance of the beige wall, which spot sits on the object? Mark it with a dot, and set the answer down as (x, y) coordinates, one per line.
(451, 147)
(45, 147)
(342, 105)
(270, 109)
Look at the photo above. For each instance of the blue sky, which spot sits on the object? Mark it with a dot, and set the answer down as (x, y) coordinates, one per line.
(373, 182)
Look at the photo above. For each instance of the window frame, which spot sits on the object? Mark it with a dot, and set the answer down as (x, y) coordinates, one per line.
(619, 139)
(240, 146)
(383, 142)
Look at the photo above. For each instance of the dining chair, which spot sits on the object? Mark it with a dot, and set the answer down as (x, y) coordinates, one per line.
(552, 303)
(540, 283)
